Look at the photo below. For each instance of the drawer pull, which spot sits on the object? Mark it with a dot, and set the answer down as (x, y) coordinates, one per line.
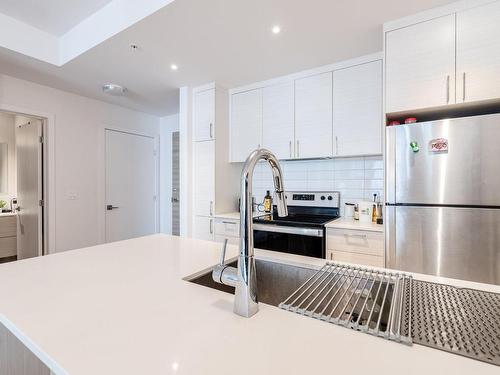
(229, 222)
(356, 235)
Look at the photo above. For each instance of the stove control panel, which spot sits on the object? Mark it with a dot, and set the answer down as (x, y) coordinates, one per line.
(313, 199)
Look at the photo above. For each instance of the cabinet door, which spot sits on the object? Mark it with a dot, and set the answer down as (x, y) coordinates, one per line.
(420, 65)
(478, 53)
(204, 115)
(246, 124)
(277, 120)
(204, 178)
(357, 110)
(313, 116)
(204, 228)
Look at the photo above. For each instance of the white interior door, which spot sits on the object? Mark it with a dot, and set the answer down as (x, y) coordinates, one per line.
(131, 208)
(29, 188)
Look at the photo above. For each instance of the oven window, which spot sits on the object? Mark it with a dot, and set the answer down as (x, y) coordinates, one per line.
(290, 243)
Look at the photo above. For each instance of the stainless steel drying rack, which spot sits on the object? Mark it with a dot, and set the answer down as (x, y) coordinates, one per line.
(363, 299)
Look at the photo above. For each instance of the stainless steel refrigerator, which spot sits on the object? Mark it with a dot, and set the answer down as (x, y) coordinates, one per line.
(443, 198)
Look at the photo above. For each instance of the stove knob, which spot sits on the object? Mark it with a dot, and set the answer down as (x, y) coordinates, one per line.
(330, 198)
(322, 197)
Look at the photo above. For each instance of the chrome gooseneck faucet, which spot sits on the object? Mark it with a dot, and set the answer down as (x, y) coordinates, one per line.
(243, 278)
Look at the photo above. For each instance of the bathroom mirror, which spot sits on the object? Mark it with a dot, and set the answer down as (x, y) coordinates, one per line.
(4, 163)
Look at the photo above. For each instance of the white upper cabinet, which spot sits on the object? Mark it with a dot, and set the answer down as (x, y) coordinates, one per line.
(420, 65)
(357, 109)
(313, 116)
(204, 179)
(277, 119)
(246, 124)
(204, 115)
(478, 53)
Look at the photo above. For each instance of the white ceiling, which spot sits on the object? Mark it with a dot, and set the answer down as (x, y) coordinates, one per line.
(227, 41)
(52, 16)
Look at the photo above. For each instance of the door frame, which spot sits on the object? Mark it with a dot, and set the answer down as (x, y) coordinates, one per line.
(102, 203)
(48, 176)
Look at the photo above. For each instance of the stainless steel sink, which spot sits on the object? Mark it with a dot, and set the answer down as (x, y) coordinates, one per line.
(275, 281)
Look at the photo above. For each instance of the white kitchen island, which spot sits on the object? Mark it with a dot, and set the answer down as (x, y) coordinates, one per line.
(124, 308)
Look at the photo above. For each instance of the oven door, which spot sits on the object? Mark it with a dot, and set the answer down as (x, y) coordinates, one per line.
(293, 240)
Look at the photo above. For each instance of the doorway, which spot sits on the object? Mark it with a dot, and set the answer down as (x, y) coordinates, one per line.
(21, 187)
(131, 185)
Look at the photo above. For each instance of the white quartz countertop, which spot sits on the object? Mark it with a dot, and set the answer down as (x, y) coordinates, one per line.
(124, 308)
(7, 214)
(344, 223)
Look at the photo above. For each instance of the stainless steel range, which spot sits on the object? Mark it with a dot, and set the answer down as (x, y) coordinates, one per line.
(302, 232)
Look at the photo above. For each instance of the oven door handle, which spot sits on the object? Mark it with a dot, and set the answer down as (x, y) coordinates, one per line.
(289, 230)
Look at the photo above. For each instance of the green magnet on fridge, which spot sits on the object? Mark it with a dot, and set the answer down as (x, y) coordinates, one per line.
(414, 146)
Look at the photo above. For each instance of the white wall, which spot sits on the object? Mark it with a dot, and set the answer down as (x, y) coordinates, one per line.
(78, 129)
(355, 178)
(168, 125)
(7, 135)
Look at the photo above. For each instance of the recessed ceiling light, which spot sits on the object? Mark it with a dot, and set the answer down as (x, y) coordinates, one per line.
(174, 67)
(276, 29)
(114, 89)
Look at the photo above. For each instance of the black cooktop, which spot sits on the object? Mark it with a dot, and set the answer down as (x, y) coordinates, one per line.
(300, 216)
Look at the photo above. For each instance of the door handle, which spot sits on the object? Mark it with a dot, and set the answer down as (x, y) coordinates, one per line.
(110, 207)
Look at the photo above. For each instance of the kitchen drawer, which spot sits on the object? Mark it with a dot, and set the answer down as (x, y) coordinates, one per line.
(8, 226)
(8, 246)
(355, 241)
(230, 240)
(227, 227)
(355, 258)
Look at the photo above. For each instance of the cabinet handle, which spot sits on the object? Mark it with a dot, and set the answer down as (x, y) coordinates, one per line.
(463, 86)
(336, 145)
(211, 130)
(211, 226)
(211, 208)
(298, 153)
(356, 235)
(447, 89)
(290, 149)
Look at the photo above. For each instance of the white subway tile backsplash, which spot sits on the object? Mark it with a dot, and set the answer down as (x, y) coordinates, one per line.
(374, 184)
(349, 163)
(350, 174)
(374, 162)
(348, 184)
(374, 174)
(355, 178)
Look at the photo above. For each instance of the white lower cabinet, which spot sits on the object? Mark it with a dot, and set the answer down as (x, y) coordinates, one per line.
(355, 246)
(204, 228)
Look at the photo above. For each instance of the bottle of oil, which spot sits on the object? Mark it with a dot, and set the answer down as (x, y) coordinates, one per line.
(374, 209)
(268, 202)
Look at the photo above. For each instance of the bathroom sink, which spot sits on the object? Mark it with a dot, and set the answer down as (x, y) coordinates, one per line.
(275, 281)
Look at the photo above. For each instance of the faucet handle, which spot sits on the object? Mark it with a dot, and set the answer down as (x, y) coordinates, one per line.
(223, 255)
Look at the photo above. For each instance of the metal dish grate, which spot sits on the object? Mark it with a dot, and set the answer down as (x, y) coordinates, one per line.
(366, 300)
(457, 320)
